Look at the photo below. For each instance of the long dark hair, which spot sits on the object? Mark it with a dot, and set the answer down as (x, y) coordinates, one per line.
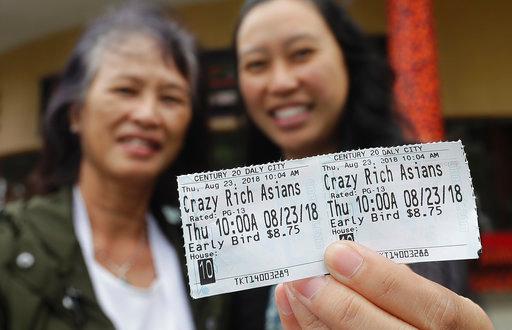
(368, 118)
(61, 152)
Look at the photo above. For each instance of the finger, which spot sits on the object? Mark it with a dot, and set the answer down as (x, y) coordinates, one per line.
(303, 316)
(337, 306)
(288, 320)
(401, 292)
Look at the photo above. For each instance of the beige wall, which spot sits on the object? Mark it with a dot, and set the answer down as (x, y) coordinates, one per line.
(20, 74)
(212, 22)
(474, 46)
(475, 53)
(370, 14)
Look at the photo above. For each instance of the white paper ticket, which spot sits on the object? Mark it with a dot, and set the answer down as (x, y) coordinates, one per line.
(265, 224)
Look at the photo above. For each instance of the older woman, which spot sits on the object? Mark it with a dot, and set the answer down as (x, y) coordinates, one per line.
(95, 250)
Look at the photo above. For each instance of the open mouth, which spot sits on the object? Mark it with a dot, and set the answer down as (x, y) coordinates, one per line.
(291, 116)
(139, 146)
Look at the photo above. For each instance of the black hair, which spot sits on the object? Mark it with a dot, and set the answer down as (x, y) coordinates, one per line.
(368, 119)
(61, 152)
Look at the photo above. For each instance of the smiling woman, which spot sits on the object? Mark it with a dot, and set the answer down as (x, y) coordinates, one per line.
(283, 78)
(136, 112)
(95, 250)
(313, 88)
(312, 84)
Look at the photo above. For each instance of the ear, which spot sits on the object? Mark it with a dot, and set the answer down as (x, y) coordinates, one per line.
(74, 119)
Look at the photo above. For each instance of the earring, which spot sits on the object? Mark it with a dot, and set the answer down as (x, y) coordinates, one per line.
(73, 128)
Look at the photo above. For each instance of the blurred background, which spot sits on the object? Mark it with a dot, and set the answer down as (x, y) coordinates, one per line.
(471, 52)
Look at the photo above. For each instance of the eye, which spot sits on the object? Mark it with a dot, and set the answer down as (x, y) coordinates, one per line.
(302, 54)
(125, 91)
(172, 99)
(255, 66)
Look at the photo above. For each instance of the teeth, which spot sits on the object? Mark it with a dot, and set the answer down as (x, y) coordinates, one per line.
(138, 142)
(289, 112)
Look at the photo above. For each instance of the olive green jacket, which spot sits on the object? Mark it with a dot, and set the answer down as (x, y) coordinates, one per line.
(44, 282)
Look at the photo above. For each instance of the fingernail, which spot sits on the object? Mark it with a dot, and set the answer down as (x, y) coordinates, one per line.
(308, 287)
(343, 259)
(282, 301)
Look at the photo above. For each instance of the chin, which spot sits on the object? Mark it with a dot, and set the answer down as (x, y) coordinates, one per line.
(302, 150)
(138, 173)
(296, 151)
(293, 144)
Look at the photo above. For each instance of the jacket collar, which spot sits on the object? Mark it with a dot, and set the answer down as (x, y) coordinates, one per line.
(59, 274)
(50, 218)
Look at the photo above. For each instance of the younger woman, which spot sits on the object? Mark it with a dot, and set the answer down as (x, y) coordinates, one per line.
(312, 85)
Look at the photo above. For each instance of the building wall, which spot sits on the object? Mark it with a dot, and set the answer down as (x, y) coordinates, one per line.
(21, 71)
(475, 52)
(474, 46)
(213, 22)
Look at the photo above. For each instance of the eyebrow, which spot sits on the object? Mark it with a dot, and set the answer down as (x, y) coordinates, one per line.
(252, 50)
(287, 43)
(299, 37)
(167, 85)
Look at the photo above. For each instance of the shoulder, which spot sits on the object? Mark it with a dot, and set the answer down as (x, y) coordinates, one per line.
(57, 204)
(27, 220)
(39, 262)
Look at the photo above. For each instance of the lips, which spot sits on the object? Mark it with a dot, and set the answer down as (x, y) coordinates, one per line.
(291, 116)
(139, 145)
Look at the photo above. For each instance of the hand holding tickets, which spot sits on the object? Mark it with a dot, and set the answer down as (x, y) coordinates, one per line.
(266, 224)
(367, 291)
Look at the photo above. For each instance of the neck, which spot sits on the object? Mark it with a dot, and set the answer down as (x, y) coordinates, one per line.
(310, 151)
(116, 207)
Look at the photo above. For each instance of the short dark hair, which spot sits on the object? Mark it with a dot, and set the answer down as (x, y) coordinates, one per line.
(368, 118)
(61, 153)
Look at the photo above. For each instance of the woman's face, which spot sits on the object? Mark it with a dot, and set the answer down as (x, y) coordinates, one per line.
(292, 76)
(136, 111)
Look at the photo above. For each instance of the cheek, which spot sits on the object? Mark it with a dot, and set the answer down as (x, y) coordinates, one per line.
(102, 119)
(177, 124)
(92, 123)
(329, 85)
(251, 89)
(95, 140)
(175, 140)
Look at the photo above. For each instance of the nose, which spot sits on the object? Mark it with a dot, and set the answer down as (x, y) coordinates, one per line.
(146, 113)
(283, 79)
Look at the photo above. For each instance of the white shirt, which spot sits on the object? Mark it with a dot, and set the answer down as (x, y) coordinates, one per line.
(164, 305)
